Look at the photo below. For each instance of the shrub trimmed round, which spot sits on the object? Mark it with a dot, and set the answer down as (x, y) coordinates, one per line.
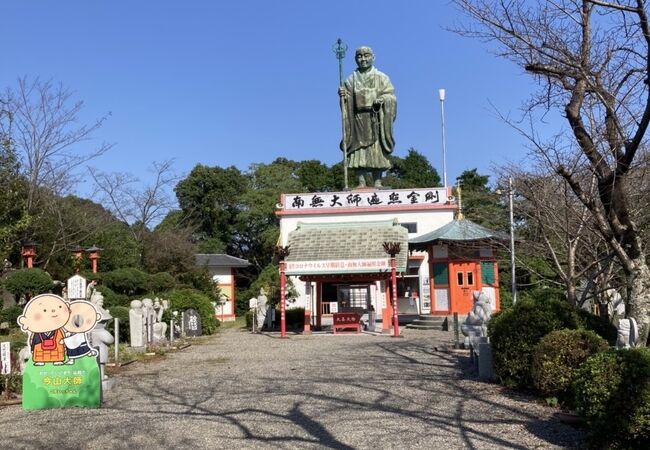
(515, 332)
(127, 281)
(612, 391)
(27, 281)
(161, 282)
(557, 357)
(184, 299)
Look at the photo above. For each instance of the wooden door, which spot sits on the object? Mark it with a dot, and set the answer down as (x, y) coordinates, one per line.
(462, 283)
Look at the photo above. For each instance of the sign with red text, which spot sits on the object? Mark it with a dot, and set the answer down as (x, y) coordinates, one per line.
(337, 266)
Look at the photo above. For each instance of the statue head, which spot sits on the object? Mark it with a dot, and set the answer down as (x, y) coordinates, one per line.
(364, 57)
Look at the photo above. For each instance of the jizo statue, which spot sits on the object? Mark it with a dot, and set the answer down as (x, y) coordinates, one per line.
(370, 108)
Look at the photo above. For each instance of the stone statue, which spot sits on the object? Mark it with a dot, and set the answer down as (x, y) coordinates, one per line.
(159, 326)
(262, 307)
(136, 325)
(475, 325)
(628, 333)
(370, 108)
(100, 337)
(149, 318)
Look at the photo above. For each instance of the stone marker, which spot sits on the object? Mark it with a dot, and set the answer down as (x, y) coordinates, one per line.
(136, 325)
(192, 323)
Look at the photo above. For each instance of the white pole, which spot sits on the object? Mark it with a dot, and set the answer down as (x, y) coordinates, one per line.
(441, 94)
(512, 242)
(117, 342)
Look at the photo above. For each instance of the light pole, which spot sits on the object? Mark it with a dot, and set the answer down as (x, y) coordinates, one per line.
(512, 242)
(441, 95)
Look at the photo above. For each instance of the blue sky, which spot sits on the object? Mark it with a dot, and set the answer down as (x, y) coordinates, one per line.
(235, 83)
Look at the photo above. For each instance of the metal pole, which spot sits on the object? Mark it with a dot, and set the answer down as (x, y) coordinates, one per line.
(117, 342)
(456, 335)
(339, 49)
(441, 93)
(512, 242)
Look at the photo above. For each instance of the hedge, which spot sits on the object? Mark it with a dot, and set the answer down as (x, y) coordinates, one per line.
(515, 332)
(612, 391)
(557, 357)
(183, 299)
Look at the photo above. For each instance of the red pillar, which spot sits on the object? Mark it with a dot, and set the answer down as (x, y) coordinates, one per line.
(393, 276)
(283, 314)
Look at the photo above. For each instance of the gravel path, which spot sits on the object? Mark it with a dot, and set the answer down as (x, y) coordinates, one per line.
(238, 390)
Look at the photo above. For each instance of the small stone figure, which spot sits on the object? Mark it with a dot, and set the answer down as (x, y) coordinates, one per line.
(370, 107)
(628, 333)
(475, 325)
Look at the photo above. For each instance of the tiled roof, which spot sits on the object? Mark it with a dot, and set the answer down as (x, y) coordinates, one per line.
(219, 260)
(347, 241)
(462, 230)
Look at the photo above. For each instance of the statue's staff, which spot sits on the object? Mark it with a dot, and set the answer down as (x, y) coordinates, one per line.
(339, 49)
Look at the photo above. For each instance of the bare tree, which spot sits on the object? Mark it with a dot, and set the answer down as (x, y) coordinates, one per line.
(135, 203)
(591, 59)
(46, 133)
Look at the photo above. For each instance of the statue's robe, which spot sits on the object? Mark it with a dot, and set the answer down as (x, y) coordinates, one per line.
(369, 130)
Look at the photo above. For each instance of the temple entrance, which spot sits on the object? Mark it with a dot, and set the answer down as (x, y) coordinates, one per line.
(462, 283)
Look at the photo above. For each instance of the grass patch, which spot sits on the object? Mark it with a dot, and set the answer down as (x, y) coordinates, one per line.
(238, 323)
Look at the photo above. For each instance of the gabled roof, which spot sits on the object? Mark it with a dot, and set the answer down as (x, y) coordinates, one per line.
(219, 260)
(462, 230)
(348, 241)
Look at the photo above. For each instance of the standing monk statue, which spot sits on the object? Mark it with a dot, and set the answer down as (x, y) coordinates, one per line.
(370, 109)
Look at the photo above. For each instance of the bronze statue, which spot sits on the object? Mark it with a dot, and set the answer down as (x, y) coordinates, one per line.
(370, 107)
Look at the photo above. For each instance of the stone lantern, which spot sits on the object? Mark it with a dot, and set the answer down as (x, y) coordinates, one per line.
(93, 253)
(29, 253)
(77, 253)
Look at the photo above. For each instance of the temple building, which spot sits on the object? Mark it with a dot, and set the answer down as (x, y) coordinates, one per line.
(222, 270)
(337, 261)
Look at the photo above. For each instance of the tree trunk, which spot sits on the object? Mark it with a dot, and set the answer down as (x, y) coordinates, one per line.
(639, 300)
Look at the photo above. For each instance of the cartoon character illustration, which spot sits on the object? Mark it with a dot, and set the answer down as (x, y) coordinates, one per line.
(43, 318)
(83, 318)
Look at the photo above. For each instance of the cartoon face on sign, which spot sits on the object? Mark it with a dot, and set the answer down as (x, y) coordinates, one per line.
(83, 318)
(44, 318)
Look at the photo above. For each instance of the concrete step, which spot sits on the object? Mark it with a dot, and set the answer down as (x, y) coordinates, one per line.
(430, 322)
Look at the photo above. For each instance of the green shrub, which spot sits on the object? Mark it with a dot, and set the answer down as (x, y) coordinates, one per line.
(11, 315)
(558, 355)
(183, 299)
(160, 282)
(28, 281)
(112, 299)
(127, 281)
(295, 318)
(122, 314)
(515, 332)
(612, 391)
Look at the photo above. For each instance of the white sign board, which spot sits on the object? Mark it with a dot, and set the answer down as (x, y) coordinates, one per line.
(334, 307)
(252, 303)
(5, 358)
(76, 287)
(356, 200)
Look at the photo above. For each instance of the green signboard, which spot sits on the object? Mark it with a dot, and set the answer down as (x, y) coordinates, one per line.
(62, 386)
(63, 370)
